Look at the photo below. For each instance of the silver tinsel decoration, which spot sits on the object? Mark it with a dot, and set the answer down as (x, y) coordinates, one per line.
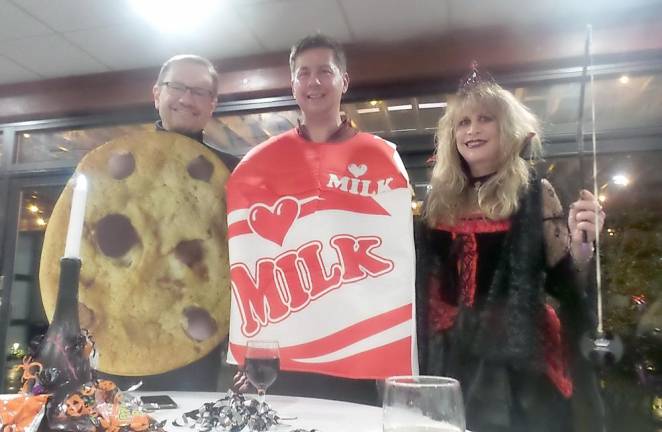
(232, 413)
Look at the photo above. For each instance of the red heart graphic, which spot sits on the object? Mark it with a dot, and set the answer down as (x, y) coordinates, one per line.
(273, 223)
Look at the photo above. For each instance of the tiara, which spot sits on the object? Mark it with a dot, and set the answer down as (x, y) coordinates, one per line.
(474, 78)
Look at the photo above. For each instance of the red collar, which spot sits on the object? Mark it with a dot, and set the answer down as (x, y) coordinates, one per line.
(344, 132)
(476, 225)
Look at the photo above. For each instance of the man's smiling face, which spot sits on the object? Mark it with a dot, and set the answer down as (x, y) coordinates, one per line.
(318, 83)
(187, 110)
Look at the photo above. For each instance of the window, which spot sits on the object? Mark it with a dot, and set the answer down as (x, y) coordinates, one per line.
(68, 145)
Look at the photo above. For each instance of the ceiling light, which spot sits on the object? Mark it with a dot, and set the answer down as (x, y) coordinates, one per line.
(602, 198)
(26, 135)
(41, 222)
(432, 105)
(624, 79)
(174, 16)
(373, 102)
(620, 180)
(367, 110)
(399, 107)
(33, 208)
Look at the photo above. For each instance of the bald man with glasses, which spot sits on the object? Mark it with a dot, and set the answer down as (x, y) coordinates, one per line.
(185, 96)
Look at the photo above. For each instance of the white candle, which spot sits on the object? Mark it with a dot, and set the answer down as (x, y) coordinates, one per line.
(76, 218)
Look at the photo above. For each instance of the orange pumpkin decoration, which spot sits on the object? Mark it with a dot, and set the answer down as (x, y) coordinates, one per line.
(110, 425)
(139, 423)
(106, 385)
(107, 390)
(30, 371)
(75, 406)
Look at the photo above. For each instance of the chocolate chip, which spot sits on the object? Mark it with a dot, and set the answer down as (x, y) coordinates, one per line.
(202, 271)
(199, 325)
(189, 252)
(121, 165)
(86, 316)
(200, 168)
(115, 235)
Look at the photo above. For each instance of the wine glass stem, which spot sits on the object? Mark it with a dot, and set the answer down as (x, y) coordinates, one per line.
(261, 395)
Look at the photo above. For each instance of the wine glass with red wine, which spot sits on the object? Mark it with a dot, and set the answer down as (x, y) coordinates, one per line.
(261, 365)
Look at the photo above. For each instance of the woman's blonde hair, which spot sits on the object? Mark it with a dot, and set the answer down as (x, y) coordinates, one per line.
(519, 133)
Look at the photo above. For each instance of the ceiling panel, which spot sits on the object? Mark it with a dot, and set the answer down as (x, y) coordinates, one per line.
(67, 15)
(389, 20)
(592, 8)
(279, 24)
(136, 44)
(471, 14)
(50, 56)
(64, 37)
(10, 72)
(220, 35)
(15, 24)
(126, 46)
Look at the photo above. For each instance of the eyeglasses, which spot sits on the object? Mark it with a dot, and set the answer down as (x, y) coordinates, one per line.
(178, 89)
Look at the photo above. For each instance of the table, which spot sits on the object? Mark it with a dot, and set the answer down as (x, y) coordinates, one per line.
(324, 415)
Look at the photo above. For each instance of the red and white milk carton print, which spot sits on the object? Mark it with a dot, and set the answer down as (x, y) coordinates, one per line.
(322, 256)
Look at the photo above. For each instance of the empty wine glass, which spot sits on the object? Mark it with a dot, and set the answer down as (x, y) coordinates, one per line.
(261, 365)
(423, 404)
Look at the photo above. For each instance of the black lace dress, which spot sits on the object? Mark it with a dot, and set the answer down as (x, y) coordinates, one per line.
(491, 314)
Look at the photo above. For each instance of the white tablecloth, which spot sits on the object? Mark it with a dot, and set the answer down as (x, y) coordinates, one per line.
(321, 414)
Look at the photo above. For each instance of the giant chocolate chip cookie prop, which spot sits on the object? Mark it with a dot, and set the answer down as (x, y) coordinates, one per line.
(154, 285)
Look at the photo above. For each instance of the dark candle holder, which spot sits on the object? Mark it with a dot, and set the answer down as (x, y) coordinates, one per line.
(62, 352)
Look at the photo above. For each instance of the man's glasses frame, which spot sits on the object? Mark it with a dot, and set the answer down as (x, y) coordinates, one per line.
(179, 89)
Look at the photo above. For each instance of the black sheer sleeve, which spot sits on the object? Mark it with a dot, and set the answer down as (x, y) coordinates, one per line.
(423, 265)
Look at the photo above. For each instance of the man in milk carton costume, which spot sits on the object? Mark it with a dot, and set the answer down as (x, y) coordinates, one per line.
(321, 243)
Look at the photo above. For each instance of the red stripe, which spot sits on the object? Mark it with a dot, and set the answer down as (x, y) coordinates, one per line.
(351, 334)
(238, 228)
(340, 339)
(378, 363)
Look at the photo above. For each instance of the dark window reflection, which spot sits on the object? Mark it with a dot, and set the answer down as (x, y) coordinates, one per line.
(237, 134)
(27, 318)
(631, 254)
(68, 145)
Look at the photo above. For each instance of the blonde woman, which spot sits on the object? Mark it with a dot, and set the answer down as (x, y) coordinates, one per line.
(498, 303)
